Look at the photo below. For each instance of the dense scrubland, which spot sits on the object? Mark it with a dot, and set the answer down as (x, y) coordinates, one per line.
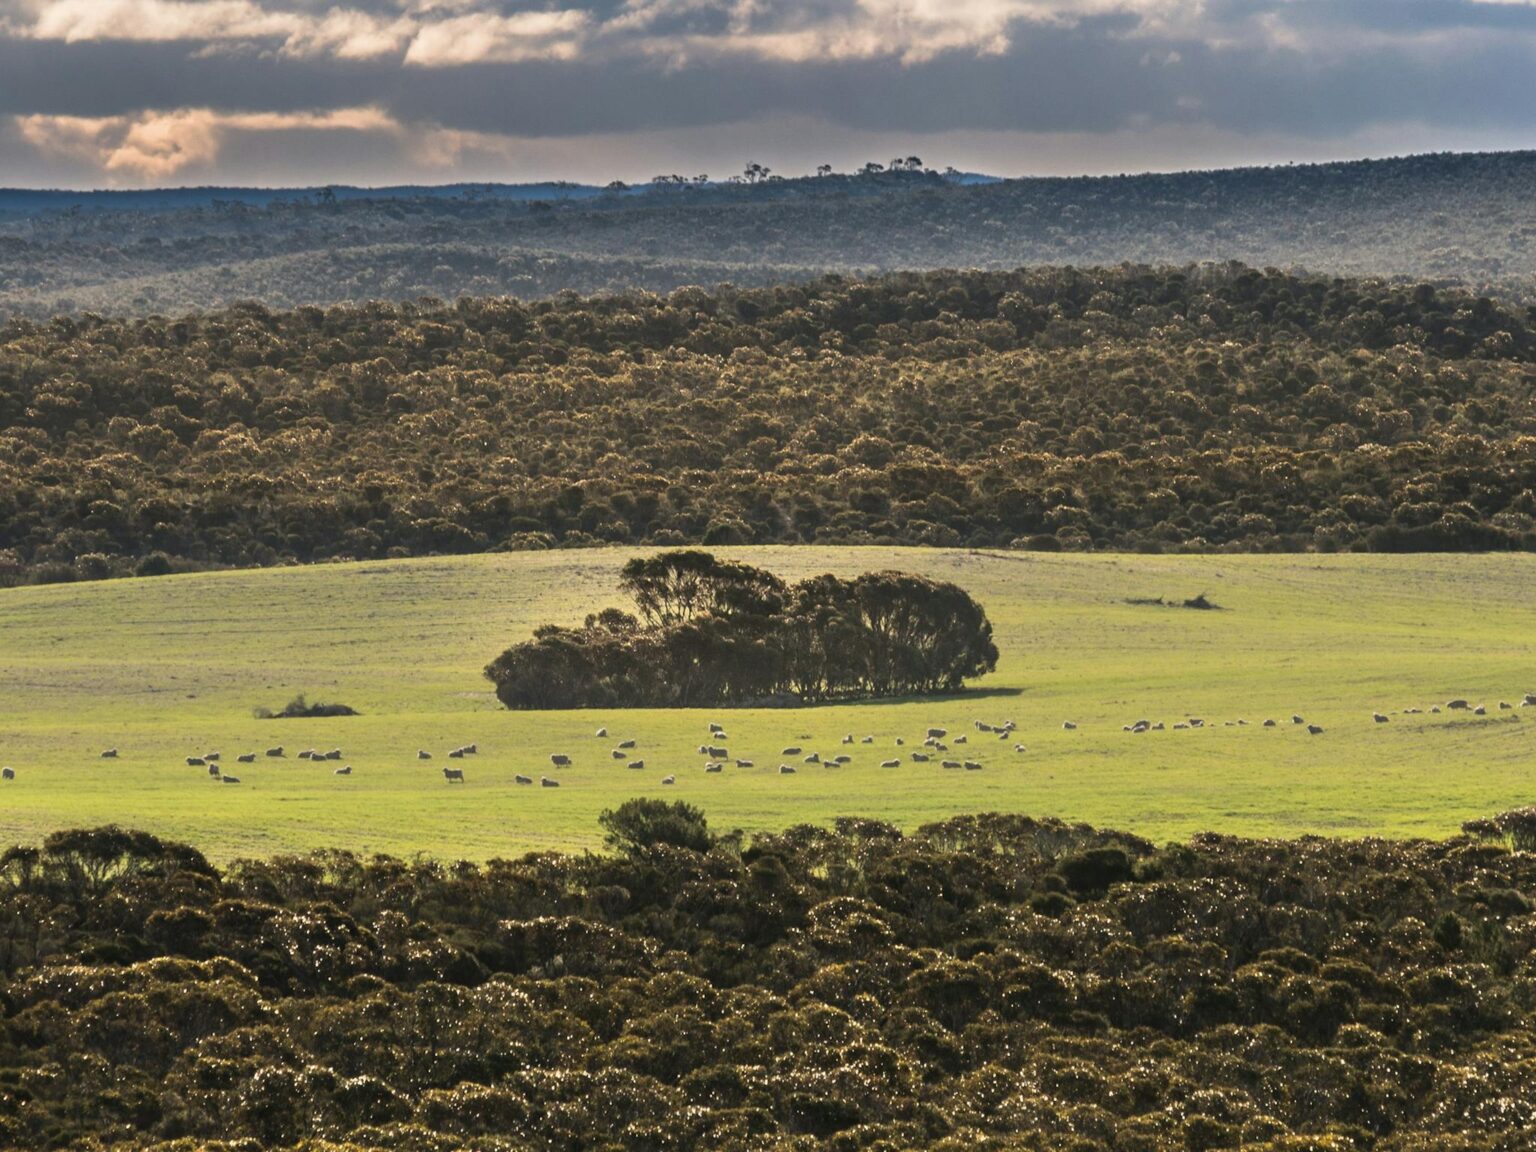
(988, 982)
(1211, 407)
(1462, 217)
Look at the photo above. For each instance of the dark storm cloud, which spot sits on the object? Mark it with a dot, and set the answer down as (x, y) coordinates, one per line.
(479, 71)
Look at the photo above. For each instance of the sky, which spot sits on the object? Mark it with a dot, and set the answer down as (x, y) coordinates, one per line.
(144, 93)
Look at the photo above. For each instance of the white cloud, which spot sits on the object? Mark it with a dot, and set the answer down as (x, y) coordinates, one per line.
(485, 36)
(158, 145)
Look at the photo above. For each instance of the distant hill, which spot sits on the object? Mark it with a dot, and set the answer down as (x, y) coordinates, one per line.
(1463, 218)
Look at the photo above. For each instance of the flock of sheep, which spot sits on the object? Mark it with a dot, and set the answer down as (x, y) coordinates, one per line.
(717, 755)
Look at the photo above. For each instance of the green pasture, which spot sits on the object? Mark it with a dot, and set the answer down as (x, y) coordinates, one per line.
(172, 667)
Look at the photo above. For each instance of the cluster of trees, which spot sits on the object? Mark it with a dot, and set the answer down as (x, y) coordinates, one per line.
(1212, 407)
(1446, 216)
(714, 631)
(988, 982)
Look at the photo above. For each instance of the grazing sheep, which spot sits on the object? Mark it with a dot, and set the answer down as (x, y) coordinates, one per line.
(1457, 705)
(1004, 733)
(714, 767)
(1196, 722)
(472, 749)
(1297, 720)
(546, 782)
(982, 726)
(786, 770)
(1435, 710)
(1269, 724)
(842, 760)
(230, 779)
(716, 729)
(7, 773)
(617, 754)
(1505, 705)
(790, 752)
(719, 753)
(1142, 726)
(669, 779)
(452, 774)
(560, 760)
(335, 754)
(938, 733)
(1018, 748)
(813, 758)
(247, 758)
(870, 740)
(890, 763)
(521, 779)
(626, 743)
(456, 754)
(1242, 723)
(602, 734)
(109, 754)
(703, 749)
(213, 769)
(211, 757)
(949, 764)
(743, 763)
(423, 754)
(940, 746)
(1180, 726)
(960, 739)
(919, 757)
(1314, 729)
(1479, 711)
(899, 741)
(1068, 726)
(848, 739)
(972, 766)
(347, 771)
(1378, 717)
(1529, 701)
(1158, 727)
(275, 752)
(1226, 724)
(307, 754)
(636, 764)
(195, 761)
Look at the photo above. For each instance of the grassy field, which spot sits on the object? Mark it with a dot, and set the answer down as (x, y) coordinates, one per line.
(172, 667)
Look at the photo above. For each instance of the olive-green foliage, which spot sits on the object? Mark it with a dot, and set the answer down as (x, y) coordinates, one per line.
(1196, 409)
(988, 982)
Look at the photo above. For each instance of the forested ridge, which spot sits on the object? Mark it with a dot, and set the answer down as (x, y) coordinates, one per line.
(989, 982)
(1211, 407)
(1449, 217)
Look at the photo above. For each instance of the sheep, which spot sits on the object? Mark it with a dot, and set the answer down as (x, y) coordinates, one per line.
(7, 773)
(714, 767)
(790, 752)
(722, 736)
(982, 726)
(247, 758)
(1226, 724)
(456, 754)
(949, 764)
(920, 757)
(1479, 711)
(1018, 748)
(230, 779)
(195, 762)
(719, 753)
(211, 757)
(626, 744)
(1068, 726)
(1196, 722)
(890, 763)
(109, 754)
(813, 758)
(899, 741)
(1003, 734)
(1180, 726)
(546, 782)
(848, 739)
(870, 740)
(636, 764)
(1142, 726)
(940, 746)
(307, 754)
(1314, 729)
(521, 779)
(213, 770)
(972, 766)
(275, 752)
(938, 733)
(703, 749)
(560, 760)
(1435, 710)
(786, 770)
(472, 749)
(1242, 723)
(743, 763)
(423, 754)
(1269, 724)
(960, 739)
(452, 774)
(335, 754)
(602, 734)
(1158, 727)
(1505, 705)
(347, 771)
(1378, 717)
(618, 754)
(1297, 720)
(842, 760)
(716, 729)
(669, 779)
(1529, 701)
(1457, 705)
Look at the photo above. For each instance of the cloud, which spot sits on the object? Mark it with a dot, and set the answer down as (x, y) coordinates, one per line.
(161, 145)
(483, 36)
